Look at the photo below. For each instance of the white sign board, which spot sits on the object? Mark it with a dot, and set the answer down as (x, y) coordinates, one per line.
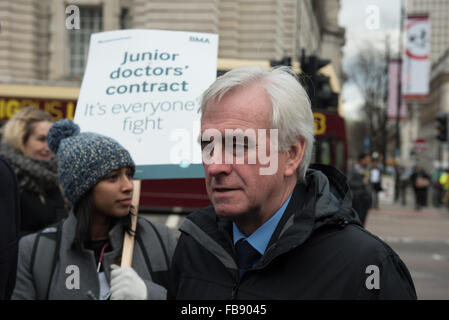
(143, 88)
(387, 195)
(415, 68)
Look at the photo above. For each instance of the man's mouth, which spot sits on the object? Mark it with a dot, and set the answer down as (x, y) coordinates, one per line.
(222, 190)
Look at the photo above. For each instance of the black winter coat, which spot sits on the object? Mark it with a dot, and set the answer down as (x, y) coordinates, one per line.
(318, 251)
(38, 212)
(9, 229)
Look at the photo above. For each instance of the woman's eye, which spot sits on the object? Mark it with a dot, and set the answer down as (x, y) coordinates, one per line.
(112, 177)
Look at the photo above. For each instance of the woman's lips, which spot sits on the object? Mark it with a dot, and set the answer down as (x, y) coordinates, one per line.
(125, 202)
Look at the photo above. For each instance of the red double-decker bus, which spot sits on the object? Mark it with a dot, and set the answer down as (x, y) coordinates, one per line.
(331, 146)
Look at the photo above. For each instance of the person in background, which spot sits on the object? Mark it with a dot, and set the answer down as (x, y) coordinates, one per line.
(96, 174)
(437, 187)
(404, 181)
(359, 183)
(9, 229)
(24, 145)
(376, 182)
(420, 181)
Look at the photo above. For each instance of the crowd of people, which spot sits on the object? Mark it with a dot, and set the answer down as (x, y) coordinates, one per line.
(293, 234)
(365, 180)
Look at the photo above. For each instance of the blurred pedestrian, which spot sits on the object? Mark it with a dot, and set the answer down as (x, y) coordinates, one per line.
(404, 181)
(9, 229)
(358, 179)
(96, 174)
(376, 182)
(289, 233)
(437, 187)
(420, 182)
(24, 145)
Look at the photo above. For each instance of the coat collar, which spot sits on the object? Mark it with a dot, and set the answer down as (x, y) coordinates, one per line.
(322, 199)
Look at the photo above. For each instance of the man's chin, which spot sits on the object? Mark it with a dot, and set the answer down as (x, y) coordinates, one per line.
(228, 211)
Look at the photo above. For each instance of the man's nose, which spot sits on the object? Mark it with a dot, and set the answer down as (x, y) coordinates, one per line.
(217, 164)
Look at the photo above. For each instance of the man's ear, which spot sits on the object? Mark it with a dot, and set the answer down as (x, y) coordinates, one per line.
(294, 157)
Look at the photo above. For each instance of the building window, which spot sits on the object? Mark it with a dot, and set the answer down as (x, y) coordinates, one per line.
(91, 21)
(125, 18)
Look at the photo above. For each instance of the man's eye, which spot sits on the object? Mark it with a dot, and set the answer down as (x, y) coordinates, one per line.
(243, 147)
(204, 144)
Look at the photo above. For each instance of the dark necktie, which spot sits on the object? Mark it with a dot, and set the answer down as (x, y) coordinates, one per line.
(246, 254)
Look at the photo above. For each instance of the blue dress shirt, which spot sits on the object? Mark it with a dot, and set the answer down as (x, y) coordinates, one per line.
(259, 239)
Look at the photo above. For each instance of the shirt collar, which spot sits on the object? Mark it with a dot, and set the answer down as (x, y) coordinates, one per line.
(259, 239)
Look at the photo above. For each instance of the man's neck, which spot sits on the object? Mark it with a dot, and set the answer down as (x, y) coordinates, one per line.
(250, 222)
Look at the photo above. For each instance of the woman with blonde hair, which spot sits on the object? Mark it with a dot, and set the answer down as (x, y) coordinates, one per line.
(24, 146)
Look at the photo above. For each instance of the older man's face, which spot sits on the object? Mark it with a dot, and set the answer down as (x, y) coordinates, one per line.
(240, 189)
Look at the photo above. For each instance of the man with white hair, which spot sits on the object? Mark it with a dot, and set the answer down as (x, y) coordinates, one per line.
(276, 229)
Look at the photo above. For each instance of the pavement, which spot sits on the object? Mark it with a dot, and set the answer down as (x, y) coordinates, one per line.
(421, 239)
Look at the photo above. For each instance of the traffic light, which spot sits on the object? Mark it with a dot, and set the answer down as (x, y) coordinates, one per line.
(318, 85)
(285, 61)
(442, 129)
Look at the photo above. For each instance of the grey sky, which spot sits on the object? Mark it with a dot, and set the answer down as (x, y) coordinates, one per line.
(360, 20)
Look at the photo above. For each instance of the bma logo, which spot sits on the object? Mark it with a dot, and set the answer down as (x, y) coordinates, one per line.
(198, 39)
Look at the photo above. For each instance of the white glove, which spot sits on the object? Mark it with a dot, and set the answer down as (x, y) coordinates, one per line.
(126, 284)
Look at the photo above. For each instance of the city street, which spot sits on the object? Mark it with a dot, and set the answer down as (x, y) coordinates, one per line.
(421, 238)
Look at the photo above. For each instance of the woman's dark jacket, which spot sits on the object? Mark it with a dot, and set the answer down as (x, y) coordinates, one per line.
(9, 229)
(41, 200)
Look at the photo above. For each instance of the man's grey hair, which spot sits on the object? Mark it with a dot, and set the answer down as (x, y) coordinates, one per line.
(291, 111)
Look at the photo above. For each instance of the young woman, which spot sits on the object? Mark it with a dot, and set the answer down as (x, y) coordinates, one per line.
(80, 258)
(24, 146)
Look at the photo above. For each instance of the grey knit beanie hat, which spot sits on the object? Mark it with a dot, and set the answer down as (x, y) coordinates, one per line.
(84, 158)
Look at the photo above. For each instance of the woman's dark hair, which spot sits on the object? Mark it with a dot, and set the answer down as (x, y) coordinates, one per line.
(83, 211)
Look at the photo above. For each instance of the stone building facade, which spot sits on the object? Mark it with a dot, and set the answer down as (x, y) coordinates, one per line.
(36, 46)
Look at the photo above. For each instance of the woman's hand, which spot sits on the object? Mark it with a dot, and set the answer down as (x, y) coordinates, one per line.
(126, 284)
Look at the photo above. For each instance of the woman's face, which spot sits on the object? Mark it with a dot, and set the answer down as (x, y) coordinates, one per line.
(112, 195)
(36, 146)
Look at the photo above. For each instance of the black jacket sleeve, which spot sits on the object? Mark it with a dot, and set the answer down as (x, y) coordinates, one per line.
(395, 280)
(174, 272)
(9, 229)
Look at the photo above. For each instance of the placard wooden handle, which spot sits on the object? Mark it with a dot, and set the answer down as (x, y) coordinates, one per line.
(128, 241)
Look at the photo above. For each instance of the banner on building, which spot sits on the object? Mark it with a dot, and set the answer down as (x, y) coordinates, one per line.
(393, 77)
(143, 88)
(416, 62)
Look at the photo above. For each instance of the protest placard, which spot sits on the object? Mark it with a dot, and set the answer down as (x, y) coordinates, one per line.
(143, 88)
